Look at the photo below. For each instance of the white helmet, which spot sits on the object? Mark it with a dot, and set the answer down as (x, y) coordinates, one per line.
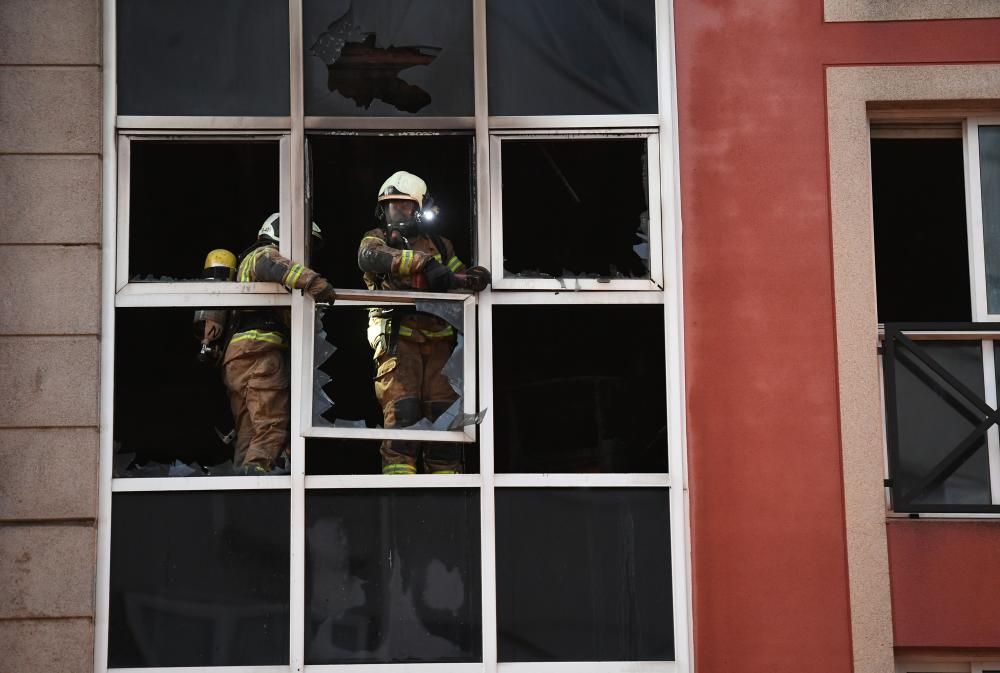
(271, 228)
(403, 185)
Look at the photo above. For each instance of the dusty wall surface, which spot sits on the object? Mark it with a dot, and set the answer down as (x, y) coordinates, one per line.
(50, 210)
(770, 517)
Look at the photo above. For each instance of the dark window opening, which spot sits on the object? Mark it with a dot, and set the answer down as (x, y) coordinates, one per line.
(199, 579)
(560, 58)
(361, 456)
(188, 57)
(583, 575)
(172, 412)
(347, 172)
(588, 396)
(388, 57)
(921, 241)
(393, 576)
(575, 208)
(187, 198)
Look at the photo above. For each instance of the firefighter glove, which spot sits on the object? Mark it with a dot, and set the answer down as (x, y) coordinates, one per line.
(439, 278)
(326, 294)
(475, 279)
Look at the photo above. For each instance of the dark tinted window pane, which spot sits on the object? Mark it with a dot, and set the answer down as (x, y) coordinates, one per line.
(575, 208)
(589, 397)
(199, 579)
(188, 57)
(361, 456)
(559, 58)
(347, 172)
(388, 57)
(989, 176)
(932, 421)
(921, 244)
(583, 575)
(171, 410)
(392, 576)
(187, 198)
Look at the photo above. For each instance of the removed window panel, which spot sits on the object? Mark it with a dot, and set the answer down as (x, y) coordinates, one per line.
(579, 58)
(921, 241)
(575, 209)
(583, 575)
(388, 57)
(187, 198)
(579, 389)
(393, 576)
(199, 579)
(347, 172)
(187, 57)
(361, 456)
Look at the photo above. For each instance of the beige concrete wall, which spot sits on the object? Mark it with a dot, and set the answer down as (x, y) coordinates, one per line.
(50, 210)
(908, 10)
(849, 91)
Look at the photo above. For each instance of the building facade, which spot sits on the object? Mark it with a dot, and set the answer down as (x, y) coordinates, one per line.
(737, 361)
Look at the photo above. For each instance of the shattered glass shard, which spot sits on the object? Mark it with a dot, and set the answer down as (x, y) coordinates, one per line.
(454, 419)
(449, 311)
(453, 368)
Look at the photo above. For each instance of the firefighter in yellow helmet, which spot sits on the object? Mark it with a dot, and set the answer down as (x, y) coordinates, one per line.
(411, 348)
(255, 364)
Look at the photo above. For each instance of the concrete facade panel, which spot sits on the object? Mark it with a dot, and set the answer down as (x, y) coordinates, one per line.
(48, 473)
(944, 588)
(50, 199)
(47, 646)
(50, 110)
(55, 289)
(49, 381)
(65, 32)
(47, 571)
(908, 10)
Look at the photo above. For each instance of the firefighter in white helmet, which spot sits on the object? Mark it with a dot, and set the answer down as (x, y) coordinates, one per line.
(410, 347)
(255, 365)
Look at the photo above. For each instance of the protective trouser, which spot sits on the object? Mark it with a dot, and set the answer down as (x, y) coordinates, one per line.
(409, 385)
(257, 378)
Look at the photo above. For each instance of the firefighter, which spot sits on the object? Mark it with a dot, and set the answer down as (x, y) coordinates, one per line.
(255, 364)
(411, 348)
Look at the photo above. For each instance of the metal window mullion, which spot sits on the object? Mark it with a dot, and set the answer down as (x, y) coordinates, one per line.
(106, 395)
(671, 230)
(993, 434)
(487, 199)
(302, 331)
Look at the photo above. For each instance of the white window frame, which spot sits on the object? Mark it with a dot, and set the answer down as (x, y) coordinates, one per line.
(974, 217)
(503, 282)
(385, 298)
(118, 132)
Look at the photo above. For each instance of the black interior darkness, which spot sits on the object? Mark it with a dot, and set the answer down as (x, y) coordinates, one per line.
(347, 172)
(573, 207)
(921, 244)
(187, 198)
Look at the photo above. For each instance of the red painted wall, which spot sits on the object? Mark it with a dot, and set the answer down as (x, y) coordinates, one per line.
(769, 557)
(945, 583)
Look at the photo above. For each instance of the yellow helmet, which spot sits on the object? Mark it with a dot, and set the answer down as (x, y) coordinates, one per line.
(220, 264)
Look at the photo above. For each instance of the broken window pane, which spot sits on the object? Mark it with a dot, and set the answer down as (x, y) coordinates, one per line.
(562, 58)
(174, 415)
(347, 172)
(931, 422)
(575, 209)
(187, 57)
(388, 57)
(187, 198)
(199, 579)
(921, 241)
(393, 576)
(989, 176)
(588, 395)
(583, 575)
